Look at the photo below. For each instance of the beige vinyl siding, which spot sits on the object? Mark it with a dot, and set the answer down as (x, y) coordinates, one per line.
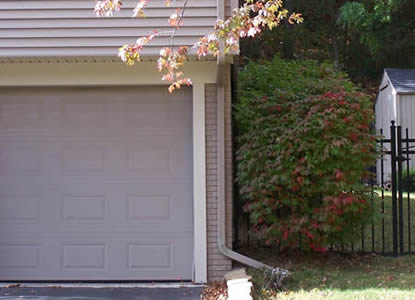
(70, 28)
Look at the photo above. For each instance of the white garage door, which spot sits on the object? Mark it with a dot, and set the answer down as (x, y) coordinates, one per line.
(95, 184)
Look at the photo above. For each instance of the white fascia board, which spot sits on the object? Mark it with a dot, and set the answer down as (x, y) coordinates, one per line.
(109, 73)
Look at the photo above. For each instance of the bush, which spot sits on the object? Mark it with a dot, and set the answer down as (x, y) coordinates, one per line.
(408, 180)
(303, 154)
(296, 79)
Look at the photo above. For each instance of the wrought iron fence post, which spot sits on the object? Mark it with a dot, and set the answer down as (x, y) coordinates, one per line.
(394, 190)
(400, 160)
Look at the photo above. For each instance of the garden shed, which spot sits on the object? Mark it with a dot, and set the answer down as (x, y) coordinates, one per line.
(396, 101)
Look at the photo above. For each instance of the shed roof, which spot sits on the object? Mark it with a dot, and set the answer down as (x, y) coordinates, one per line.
(403, 80)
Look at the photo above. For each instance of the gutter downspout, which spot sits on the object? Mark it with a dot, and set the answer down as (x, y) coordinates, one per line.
(276, 274)
(221, 174)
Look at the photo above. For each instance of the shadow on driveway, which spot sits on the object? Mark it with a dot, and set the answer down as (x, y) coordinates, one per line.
(50, 293)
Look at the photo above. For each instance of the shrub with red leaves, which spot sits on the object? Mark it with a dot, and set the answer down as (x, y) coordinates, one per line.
(301, 167)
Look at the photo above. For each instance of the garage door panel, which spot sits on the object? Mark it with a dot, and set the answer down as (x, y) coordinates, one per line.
(83, 208)
(19, 255)
(21, 112)
(171, 208)
(21, 158)
(72, 258)
(126, 208)
(96, 184)
(18, 207)
(91, 206)
(83, 113)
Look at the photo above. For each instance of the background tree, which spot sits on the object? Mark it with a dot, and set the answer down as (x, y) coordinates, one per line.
(361, 38)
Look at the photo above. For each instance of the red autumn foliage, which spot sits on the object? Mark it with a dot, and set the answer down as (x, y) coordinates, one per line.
(318, 142)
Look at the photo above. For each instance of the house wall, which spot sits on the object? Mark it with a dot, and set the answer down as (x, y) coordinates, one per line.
(218, 264)
(69, 27)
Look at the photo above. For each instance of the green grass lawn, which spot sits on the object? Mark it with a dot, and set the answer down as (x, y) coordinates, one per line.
(335, 276)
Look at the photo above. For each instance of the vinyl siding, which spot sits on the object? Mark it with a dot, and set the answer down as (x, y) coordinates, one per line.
(48, 28)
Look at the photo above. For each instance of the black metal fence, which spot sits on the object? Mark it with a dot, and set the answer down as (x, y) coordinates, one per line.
(397, 152)
(394, 186)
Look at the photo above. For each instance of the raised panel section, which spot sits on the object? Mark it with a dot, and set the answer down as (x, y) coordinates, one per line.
(19, 256)
(84, 256)
(19, 207)
(83, 158)
(18, 113)
(152, 156)
(145, 115)
(141, 207)
(20, 158)
(149, 256)
(83, 208)
(83, 113)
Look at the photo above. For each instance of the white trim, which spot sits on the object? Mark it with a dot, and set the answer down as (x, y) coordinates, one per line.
(96, 74)
(199, 184)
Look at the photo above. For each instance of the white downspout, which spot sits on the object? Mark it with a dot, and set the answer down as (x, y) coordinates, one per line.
(220, 85)
(221, 176)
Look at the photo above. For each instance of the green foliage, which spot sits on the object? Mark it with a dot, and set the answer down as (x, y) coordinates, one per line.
(359, 37)
(368, 24)
(408, 180)
(304, 150)
(296, 79)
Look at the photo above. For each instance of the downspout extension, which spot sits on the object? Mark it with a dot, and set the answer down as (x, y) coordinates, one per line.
(274, 275)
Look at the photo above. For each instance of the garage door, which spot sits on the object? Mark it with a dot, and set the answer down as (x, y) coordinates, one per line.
(95, 184)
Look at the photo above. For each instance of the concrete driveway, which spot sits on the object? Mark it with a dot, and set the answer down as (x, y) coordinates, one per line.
(87, 293)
